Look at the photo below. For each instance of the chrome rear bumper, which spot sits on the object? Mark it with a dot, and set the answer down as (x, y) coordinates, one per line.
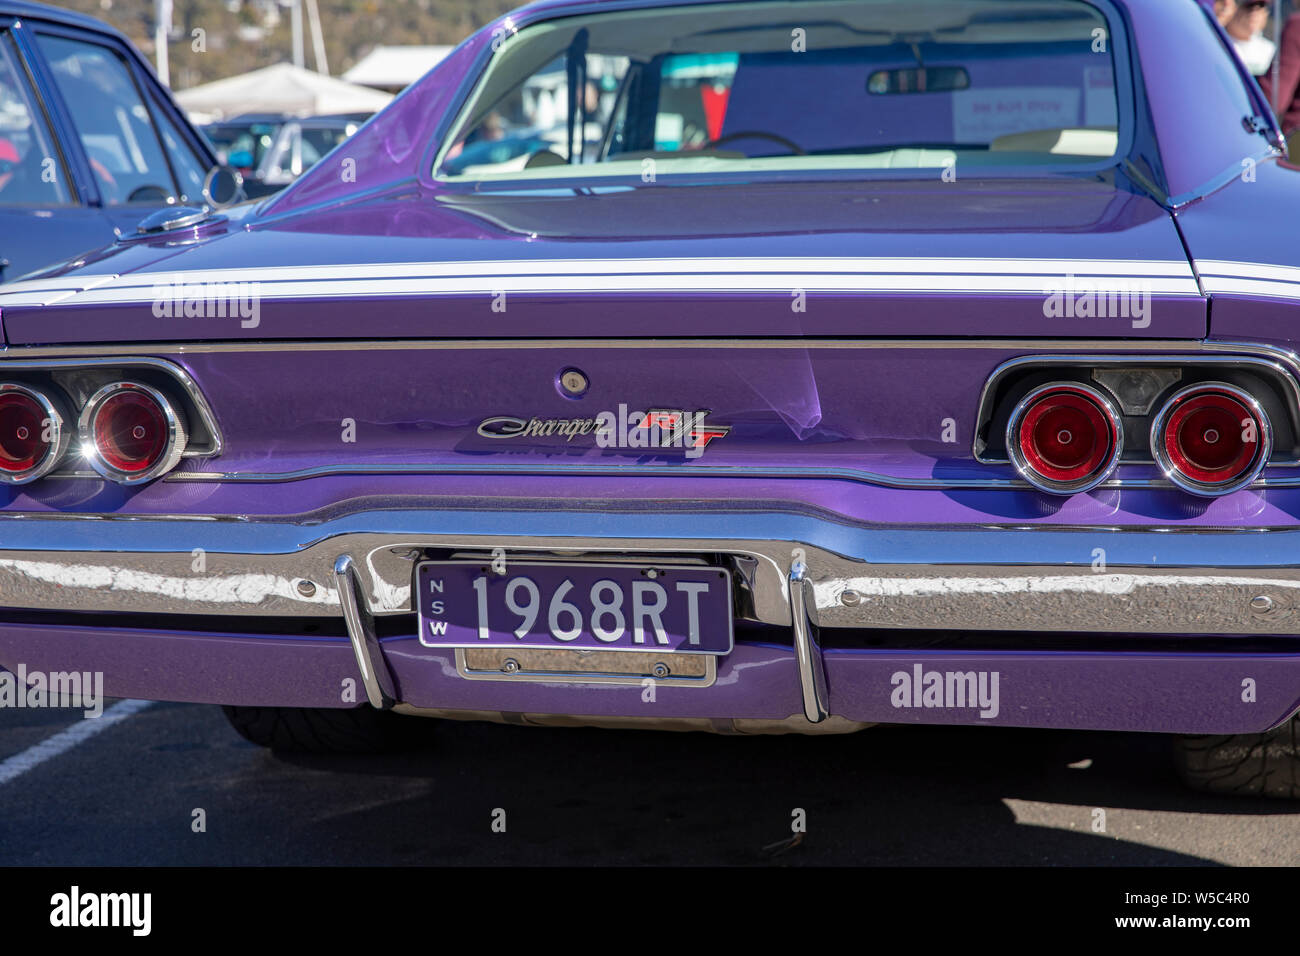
(970, 578)
(808, 572)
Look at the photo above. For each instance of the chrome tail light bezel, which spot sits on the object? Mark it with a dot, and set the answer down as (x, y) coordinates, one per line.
(55, 411)
(1100, 473)
(1207, 489)
(173, 420)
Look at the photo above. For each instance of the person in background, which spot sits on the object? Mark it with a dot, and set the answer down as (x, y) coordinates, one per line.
(1246, 29)
(1224, 10)
(8, 162)
(1287, 101)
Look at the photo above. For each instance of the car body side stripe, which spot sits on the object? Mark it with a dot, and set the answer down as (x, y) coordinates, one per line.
(578, 285)
(593, 275)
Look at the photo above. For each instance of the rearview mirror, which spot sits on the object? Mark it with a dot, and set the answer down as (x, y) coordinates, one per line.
(919, 79)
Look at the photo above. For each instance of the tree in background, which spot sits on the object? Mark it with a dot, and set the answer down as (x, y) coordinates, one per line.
(242, 35)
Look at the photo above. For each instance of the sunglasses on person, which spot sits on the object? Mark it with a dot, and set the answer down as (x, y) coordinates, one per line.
(1254, 5)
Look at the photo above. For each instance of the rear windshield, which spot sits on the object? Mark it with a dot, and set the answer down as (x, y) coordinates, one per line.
(845, 84)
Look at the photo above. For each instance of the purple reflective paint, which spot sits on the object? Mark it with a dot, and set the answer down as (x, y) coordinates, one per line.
(387, 149)
(1165, 693)
(638, 493)
(203, 668)
(937, 280)
(1160, 693)
(858, 413)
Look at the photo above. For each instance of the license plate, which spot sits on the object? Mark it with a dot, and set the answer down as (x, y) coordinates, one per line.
(627, 607)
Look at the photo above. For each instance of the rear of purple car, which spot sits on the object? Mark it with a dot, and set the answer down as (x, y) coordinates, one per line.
(791, 367)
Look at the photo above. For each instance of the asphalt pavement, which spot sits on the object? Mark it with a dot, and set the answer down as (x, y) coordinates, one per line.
(172, 784)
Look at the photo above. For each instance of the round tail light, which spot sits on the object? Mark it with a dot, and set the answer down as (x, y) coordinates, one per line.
(1065, 438)
(131, 433)
(33, 433)
(1211, 439)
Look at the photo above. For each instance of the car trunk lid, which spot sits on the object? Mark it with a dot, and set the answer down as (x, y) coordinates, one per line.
(1046, 258)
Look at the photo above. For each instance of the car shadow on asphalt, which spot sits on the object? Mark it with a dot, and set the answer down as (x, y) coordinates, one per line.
(890, 795)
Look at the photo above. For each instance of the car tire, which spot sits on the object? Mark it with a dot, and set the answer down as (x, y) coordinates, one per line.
(1251, 765)
(327, 730)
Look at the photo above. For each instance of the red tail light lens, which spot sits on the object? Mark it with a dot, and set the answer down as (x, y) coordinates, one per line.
(131, 433)
(33, 433)
(1065, 437)
(20, 432)
(1211, 439)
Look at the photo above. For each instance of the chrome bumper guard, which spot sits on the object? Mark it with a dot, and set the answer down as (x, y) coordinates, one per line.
(812, 670)
(375, 676)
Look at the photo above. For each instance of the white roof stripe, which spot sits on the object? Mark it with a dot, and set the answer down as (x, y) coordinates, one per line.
(72, 283)
(1263, 287)
(1248, 270)
(847, 274)
(733, 283)
(35, 298)
(844, 264)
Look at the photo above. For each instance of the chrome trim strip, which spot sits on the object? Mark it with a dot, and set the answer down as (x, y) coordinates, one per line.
(1286, 356)
(361, 632)
(675, 471)
(1218, 181)
(808, 653)
(670, 471)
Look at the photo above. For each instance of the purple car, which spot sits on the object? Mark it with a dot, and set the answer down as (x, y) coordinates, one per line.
(821, 364)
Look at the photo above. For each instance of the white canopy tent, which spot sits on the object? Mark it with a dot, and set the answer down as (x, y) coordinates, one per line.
(395, 67)
(282, 88)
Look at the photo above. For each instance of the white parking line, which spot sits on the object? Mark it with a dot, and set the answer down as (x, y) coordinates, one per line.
(65, 740)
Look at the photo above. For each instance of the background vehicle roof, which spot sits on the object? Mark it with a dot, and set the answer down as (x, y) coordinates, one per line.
(547, 4)
(40, 11)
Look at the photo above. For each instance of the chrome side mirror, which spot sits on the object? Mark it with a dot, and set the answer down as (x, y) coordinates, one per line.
(222, 186)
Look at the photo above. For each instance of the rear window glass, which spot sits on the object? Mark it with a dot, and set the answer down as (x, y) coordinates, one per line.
(851, 84)
(30, 171)
(115, 126)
